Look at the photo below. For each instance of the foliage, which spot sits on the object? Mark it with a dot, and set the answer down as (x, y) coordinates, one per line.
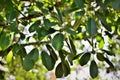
(57, 25)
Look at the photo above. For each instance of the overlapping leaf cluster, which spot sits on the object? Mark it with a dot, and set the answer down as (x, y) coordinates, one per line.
(57, 25)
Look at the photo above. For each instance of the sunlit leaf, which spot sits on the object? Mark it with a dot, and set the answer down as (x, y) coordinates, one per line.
(5, 40)
(9, 57)
(93, 69)
(57, 41)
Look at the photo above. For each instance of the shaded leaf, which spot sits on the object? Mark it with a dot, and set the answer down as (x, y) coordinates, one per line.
(84, 59)
(80, 3)
(59, 15)
(59, 71)
(47, 60)
(108, 52)
(108, 61)
(52, 52)
(73, 49)
(116, 4)
(91, 26)
(100, 56)
(93, 69)
(57, 41)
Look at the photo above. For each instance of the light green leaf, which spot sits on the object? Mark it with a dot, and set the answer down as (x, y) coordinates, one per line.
(93, 69)
(57, 41)
(47, 60)
(91, 26)
(9, 57)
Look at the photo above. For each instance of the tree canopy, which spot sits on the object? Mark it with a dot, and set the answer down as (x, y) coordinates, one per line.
(57, 29)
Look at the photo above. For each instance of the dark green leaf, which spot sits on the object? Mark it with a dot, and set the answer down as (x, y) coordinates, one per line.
(100, 56)
(5, 40)
(116, 4)
(59, 71)
(47, 60)
(33, 55)
(70, 10)
(39, 4)
(73, 49)
(93, 69)
(66, 68)
(13, 27)
(108, 52)
(84, 59)
(34, 26)
(91, 26)
(72, 32)
(42, 33)
(108, 61)
(57, 41)
(62, 56)
(80, 3)
(52, 52)
(28, 64)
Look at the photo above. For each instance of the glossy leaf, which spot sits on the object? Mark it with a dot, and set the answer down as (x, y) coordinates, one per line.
(91, 26)
(5, 41)
(84, 59)
(93, 69)
(47, 60)
(57, 41)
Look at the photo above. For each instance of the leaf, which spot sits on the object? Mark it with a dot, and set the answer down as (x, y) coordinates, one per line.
(52, 52)
(59, 71)
(28, 64)
(80, 3)
(91, 26)
(5, 41)
(57, 41)
(47, 60)
(73, 49)
(39, 4)
(59, 15)
(62, 56)
(48, 24)
(66, 68)
(93, 69)
(42, 33)
(100, 56)
(9, 57)
(84, 59)
(108, 61)
(33, 55)
(13, 27)
(108, 52)
(69, 30)
(116, 4)
(34, 26)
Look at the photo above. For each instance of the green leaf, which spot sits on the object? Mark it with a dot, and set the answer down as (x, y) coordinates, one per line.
(84, 59)
(5, 41)
(62, 56)
(13, 27)
(34, 26)
(57, 41)
(9, 57)
(59, 15)
(28, 64)
(116, 4)
(69, 30)
(80, 3)
(47, 60)
(39, 4)
(52, 52)
(42, 33)
(91, 26)
(93, 69)
(100, 56)
(73, 49)
(108, 52)
(66, 67)
(59, 71)
(48, 24)
(109, 62)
